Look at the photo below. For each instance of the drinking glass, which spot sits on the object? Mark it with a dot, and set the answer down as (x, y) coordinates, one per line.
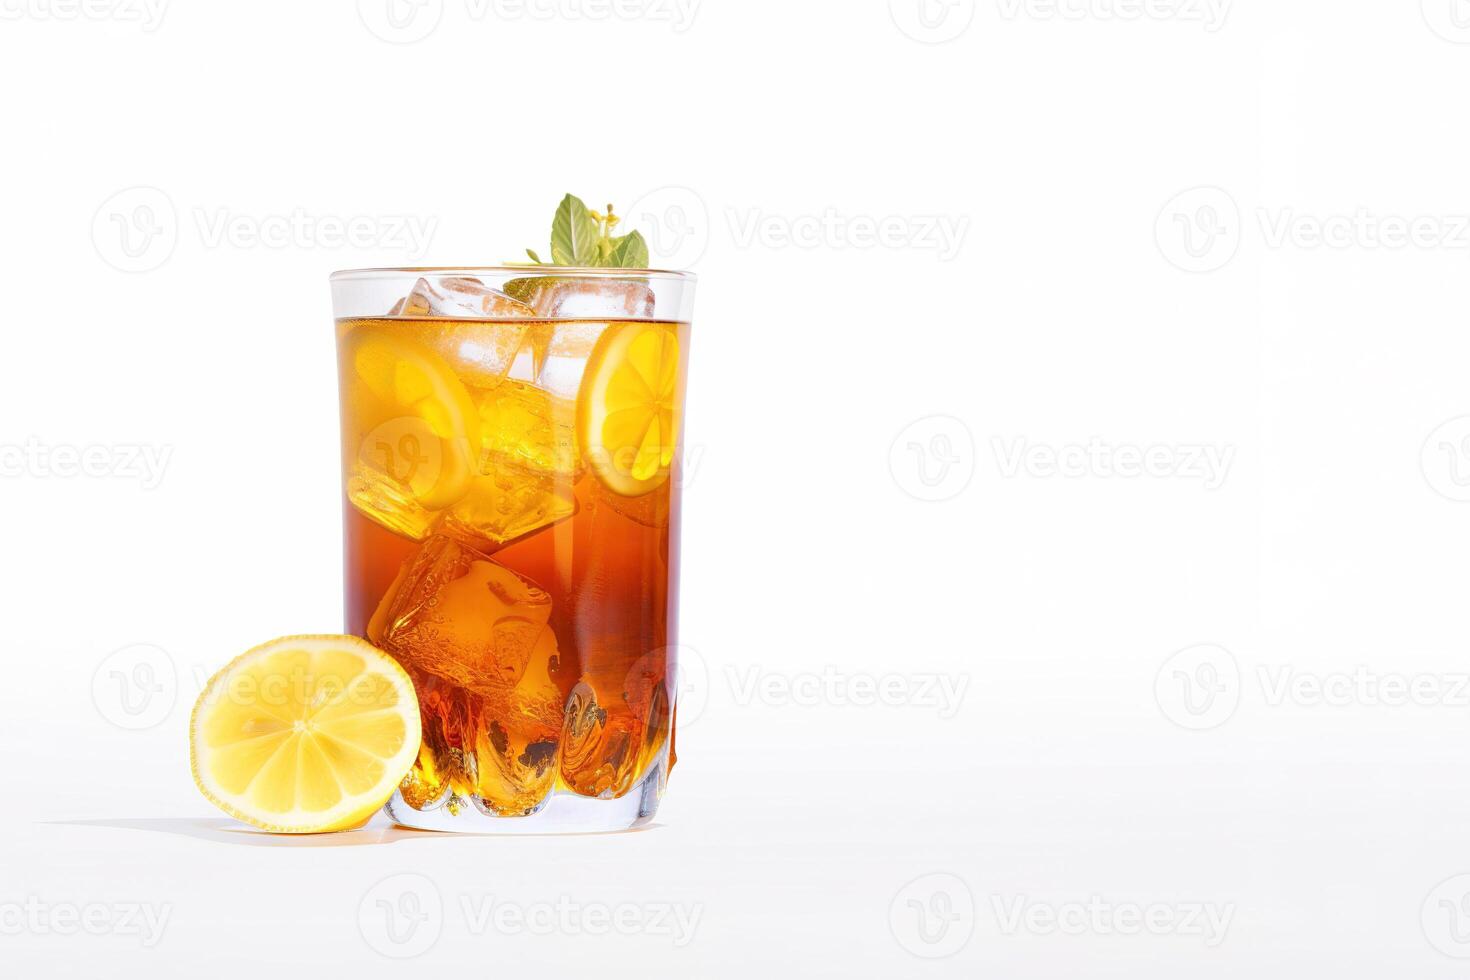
(511, 460)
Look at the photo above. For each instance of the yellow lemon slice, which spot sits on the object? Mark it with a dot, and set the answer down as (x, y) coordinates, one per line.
(627, 409)
(416, 426)
(305, 734)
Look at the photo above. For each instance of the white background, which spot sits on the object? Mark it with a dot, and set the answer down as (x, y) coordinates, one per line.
(1183, 233)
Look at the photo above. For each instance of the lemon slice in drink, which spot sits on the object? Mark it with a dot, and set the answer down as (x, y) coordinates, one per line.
(305, 734)
(416, 429)
(627, 409)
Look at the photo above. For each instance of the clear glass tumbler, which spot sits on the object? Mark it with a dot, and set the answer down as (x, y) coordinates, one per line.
(511, 447)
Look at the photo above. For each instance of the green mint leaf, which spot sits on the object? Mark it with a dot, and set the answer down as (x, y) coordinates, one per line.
(534, 257)
(574, 234)
(629, 252)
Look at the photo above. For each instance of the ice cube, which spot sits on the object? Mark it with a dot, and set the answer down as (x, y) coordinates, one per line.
(591, 298)
(474, 636)
(508, 501)
(527, 465)
(528, 426)
(615, 730)
(558, 355)
(481, 340)
(498, 754)
(460, 296)
(554, 355)
(461, 616)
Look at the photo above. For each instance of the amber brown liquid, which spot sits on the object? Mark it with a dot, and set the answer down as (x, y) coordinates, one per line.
(589, 713)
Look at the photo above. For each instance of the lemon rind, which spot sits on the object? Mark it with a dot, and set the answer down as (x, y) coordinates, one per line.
(352, 812)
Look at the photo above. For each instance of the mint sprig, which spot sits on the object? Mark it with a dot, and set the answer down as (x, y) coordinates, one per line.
(583, 237)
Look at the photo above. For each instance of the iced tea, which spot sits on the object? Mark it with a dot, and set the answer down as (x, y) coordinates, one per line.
(511, 447)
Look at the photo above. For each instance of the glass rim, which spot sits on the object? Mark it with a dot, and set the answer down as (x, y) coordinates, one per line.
(564, 271)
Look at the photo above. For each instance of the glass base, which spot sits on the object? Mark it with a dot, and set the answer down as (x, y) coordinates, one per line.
(563, 812)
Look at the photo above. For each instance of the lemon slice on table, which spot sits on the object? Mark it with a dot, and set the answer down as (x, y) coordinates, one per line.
(305, 734)
(627, 409)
